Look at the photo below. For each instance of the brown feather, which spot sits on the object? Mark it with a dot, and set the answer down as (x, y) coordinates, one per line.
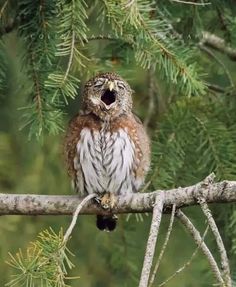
(73, 136)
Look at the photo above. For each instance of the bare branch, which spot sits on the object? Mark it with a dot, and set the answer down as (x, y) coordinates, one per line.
(100, 37)
(164, 245)
(151, 92)
(151, 243)
(192, 3)
(32, 204)
(215, 88)
(157, 202)
(10, 26)
(218, 44)
(3, 8)
(212, 55)
(219, 241)
(186, 264)
(197, 238)
(76, 214)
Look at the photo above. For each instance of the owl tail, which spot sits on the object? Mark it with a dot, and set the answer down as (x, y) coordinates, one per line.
(106, 222)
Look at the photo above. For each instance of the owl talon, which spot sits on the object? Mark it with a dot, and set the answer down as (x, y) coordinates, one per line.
(108, 201)
(105, 206)
(97, 200)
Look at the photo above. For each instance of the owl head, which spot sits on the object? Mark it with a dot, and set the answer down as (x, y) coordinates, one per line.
(107, 95)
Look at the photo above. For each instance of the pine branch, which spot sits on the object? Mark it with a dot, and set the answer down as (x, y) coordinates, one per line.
(37, 31)
(72, 33)
(154, 44)
(26, 204)
(45, 263)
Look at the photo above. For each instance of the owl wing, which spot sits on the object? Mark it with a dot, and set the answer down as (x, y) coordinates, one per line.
(76, 125)
(142, 142)
(139, 137)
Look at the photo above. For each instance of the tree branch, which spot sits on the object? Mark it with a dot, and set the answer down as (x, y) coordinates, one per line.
(151, 243)
(76, 214)
(221, 63)
(198, 239)
(218, 44)
(29, 204)
(186, 264)
(223, 255)
(163, 246)
(9, 27)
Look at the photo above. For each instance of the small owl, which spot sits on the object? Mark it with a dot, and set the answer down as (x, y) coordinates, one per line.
(106, 147)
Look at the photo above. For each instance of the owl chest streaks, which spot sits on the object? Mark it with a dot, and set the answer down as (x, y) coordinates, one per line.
(106, 158)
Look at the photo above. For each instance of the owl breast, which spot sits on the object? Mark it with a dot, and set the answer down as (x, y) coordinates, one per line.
(105, 162)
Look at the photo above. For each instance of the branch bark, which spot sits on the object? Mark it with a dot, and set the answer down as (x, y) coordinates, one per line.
(9, 27)
(151, 243)
(29, 204)
(198, 239)
(218, 44)
(223, 255)
(163, 246)
(186, 264)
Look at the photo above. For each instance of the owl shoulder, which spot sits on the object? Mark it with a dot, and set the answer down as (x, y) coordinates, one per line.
(72, 137)
(135, 129)
(140, 130)
(137, 119)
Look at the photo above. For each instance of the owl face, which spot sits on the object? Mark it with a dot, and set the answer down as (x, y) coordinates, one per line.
(107, 95)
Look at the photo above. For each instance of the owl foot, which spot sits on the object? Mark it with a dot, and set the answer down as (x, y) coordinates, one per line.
(108, 200)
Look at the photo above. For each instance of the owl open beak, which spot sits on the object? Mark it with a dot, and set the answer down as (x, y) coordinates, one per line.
(108, 97)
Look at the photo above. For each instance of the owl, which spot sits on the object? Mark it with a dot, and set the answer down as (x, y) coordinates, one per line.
(106, 147)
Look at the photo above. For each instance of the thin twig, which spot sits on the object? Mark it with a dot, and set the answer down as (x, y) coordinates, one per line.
(186, 264)
(218, 44)
(223, 255)
(212, 55)
(130, 3)
(70, 58)
(164, 245)
(38, 93)
(152, 238)
(3, 8)
(192, 3)
(10, 26)
(151, 92)
(76, 214)
(215, 88)
(100, 37)
(197, 237)
(223, 23)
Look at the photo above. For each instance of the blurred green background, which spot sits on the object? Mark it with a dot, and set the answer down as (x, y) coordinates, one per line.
(191, 137)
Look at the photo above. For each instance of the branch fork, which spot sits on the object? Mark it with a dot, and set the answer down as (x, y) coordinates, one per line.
(157, 202)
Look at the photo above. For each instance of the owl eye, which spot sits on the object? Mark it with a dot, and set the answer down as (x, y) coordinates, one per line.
(120, 85)
(98, 83)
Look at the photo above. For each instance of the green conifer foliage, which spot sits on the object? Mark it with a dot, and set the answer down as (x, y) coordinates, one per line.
(184, 92)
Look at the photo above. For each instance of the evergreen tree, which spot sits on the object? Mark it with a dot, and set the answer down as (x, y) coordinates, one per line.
(178, 57)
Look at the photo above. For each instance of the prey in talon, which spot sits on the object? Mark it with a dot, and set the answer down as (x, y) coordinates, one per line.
(106, 147)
